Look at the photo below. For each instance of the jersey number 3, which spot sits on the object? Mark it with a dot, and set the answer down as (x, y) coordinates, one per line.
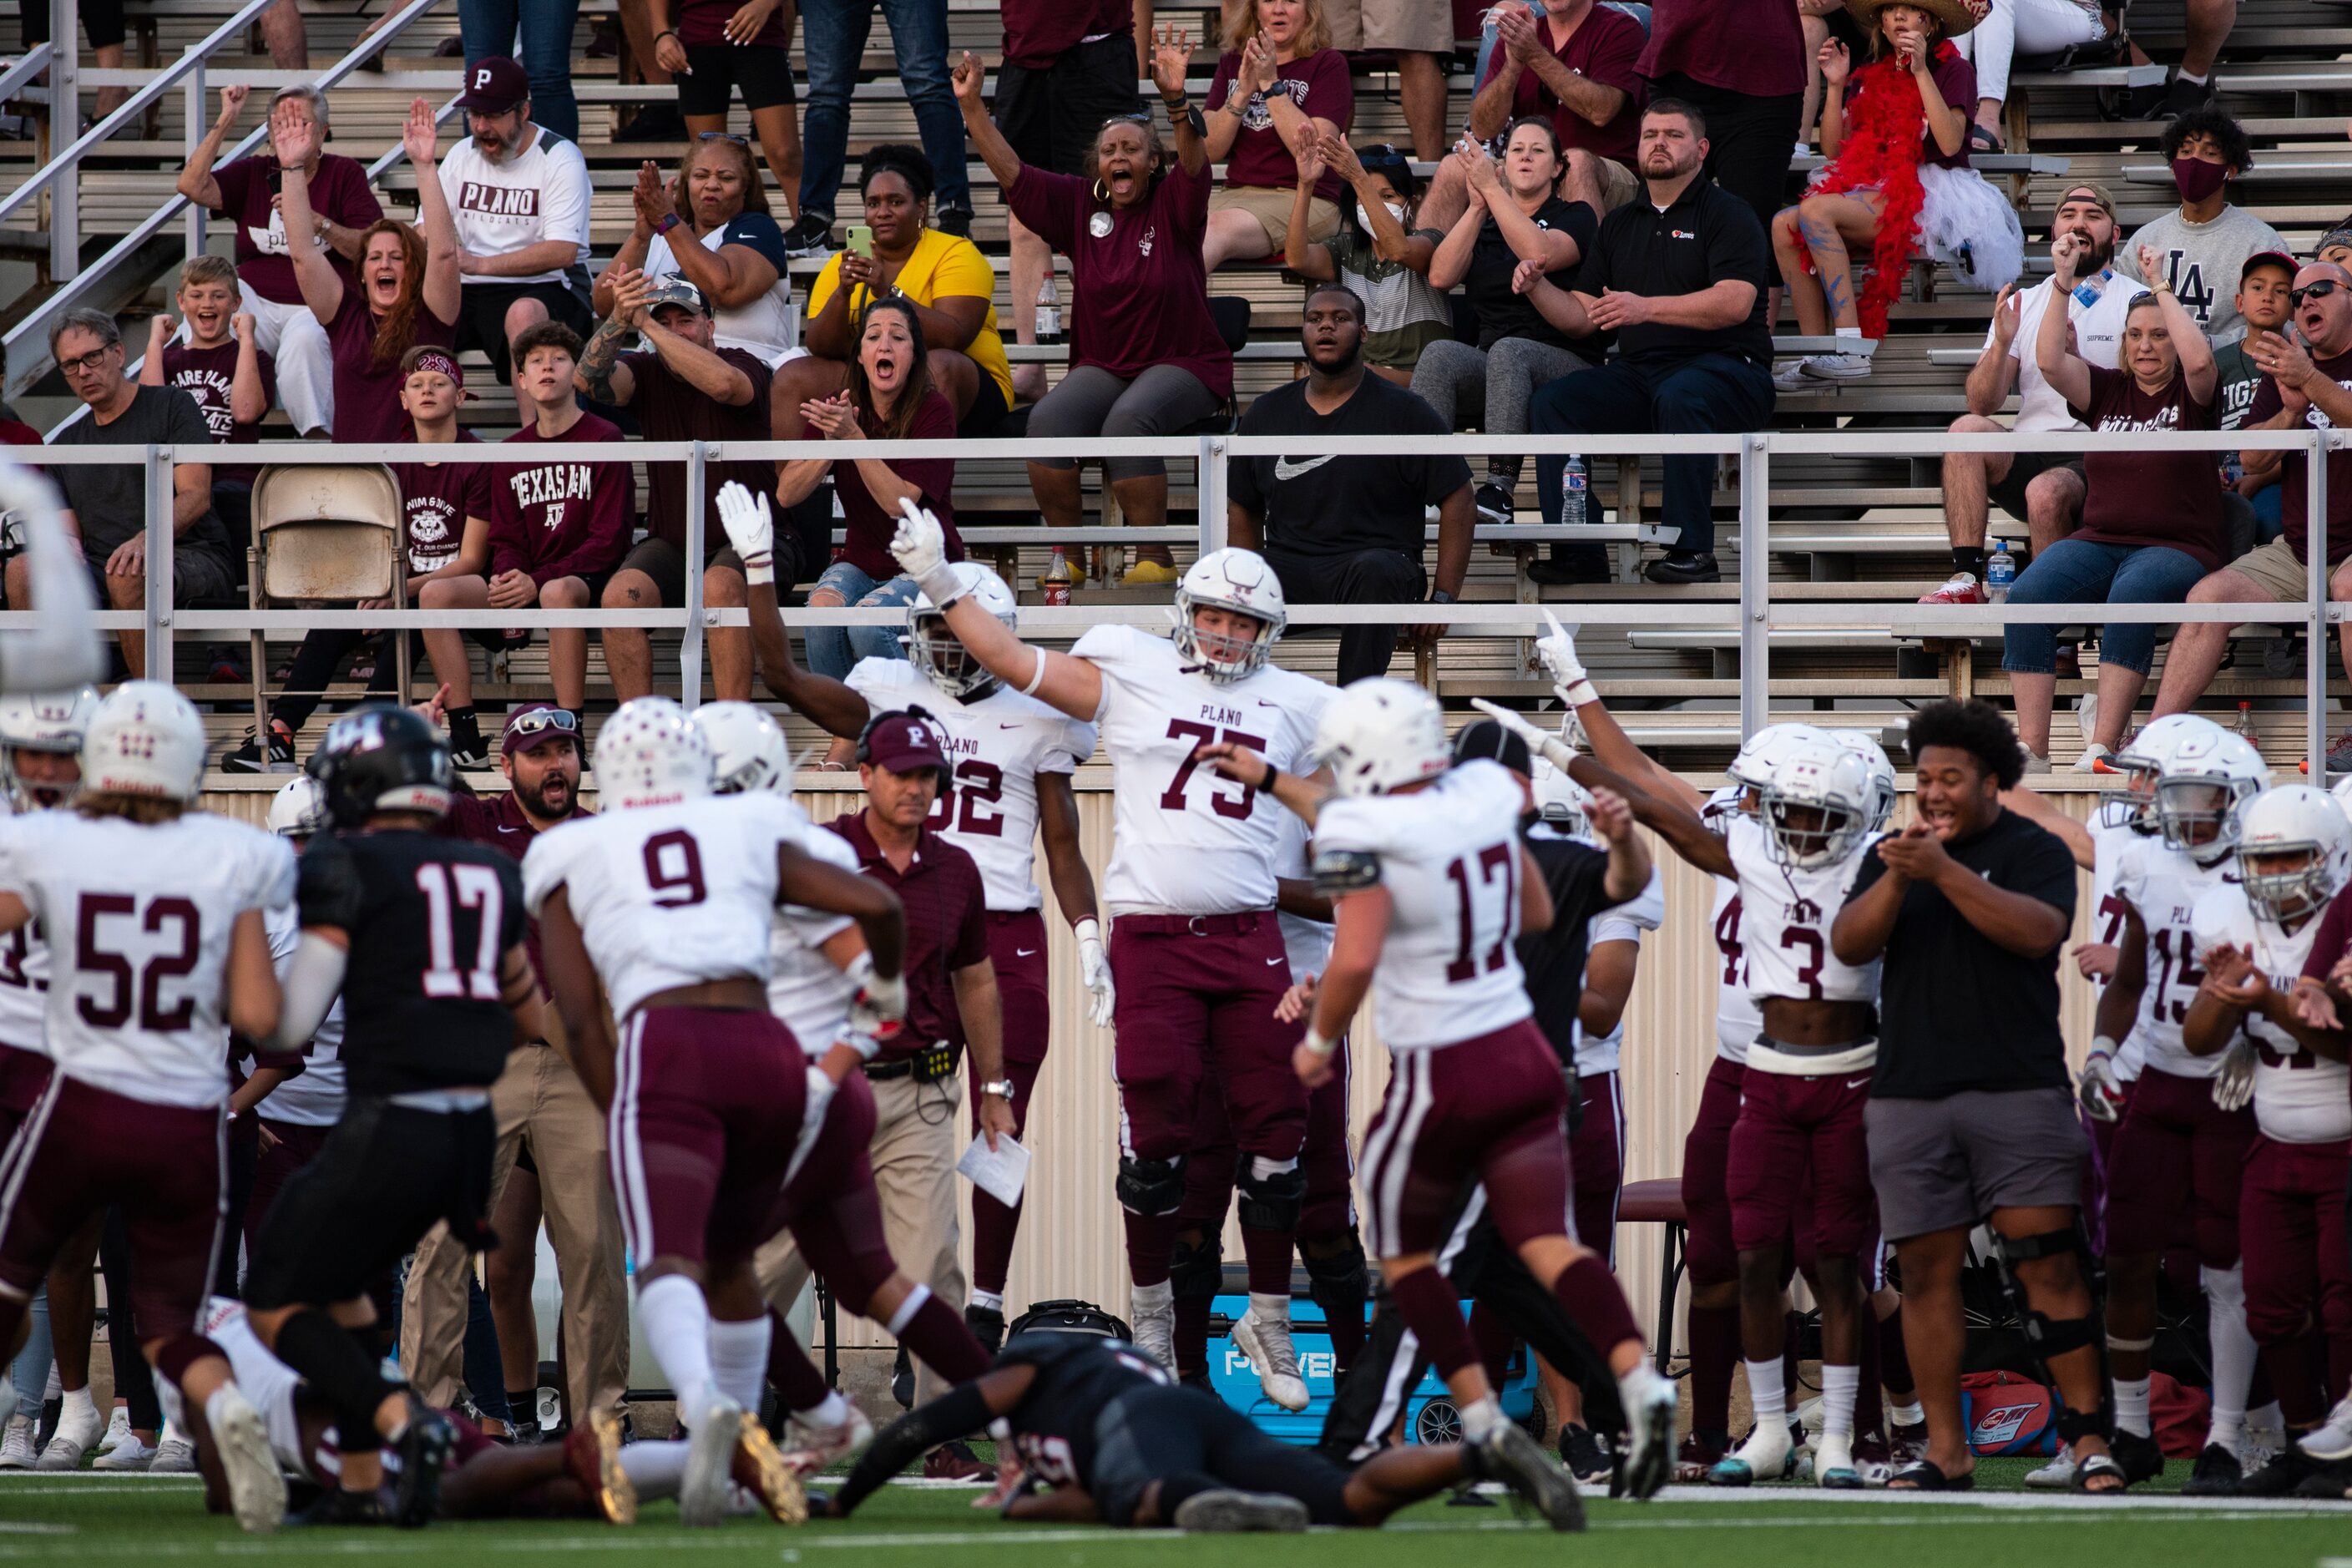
(476, 888)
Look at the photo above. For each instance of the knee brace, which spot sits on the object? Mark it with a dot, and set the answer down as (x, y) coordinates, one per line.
(1339, 1282)
(1150, 1187)
(1198, 1272)
(1274, 1201)
(2047, 1336)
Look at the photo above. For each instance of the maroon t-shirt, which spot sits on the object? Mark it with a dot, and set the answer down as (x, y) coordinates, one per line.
(499, 822)
(2155, 497)
(947, 928)
(1607, 47)
(205, 375)
(367, 394)
(1318, 84)
(669, 409)
(436, 499)
(2294, 504)
(562, 520)
(1755, 47)
(705, 21)
(866, 527)
(339, 193)
(1955, 81)
(1142, 293)
(1038, 31)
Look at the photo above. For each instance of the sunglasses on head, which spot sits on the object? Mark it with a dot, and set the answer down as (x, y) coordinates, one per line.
(2319, 290)
(542, 721)
(724, 136)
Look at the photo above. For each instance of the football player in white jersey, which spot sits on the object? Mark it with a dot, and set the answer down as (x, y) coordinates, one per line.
(669, 900)
(1191, 887)
(2254, 936)
(2176, 1152)
(63, 649)
(157, 949)
(1431, 885)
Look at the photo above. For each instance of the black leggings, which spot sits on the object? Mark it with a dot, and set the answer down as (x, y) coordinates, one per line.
(133, 1383)
(321, 654)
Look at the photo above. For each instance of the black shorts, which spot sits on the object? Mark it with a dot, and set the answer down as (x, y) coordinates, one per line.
(1171, 1434)
(988, 408)
(1053, 116)
(666, 564)
(482, 316)
(716, 71)
(2025, 468)
(386, 1176)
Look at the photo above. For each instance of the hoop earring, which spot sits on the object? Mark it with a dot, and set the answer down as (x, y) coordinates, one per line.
(1102, 189)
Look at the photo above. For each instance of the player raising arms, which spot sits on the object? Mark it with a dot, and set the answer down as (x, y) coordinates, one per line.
(157, 949)
(1431, 885)
(422, 937)
(668, 902)
(1191, 887)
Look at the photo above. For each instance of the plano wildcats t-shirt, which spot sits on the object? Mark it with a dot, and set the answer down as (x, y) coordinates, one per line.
(436, 499)
(248, 193)
(208, 376)
(563, 520)
(539, 194)
(2155, 496)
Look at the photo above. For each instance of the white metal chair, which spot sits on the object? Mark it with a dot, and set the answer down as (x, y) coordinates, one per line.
(325, 534)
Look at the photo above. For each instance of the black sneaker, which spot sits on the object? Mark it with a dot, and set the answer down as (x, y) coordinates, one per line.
(1575, 565)
(424, 1447)
(987, 1326)
(275, 755)
(1586, 1456)
(2181, 98)
(811, 236)
(1682, 566)
(333, 1505)
(902, 1380)
(1495, 502)
(1509, 1456)
(654, 123)
(2282, 1475)
(466, 748)
(2326, 1480)
(2216, 1474)
(2142, 1460)
(956, 221)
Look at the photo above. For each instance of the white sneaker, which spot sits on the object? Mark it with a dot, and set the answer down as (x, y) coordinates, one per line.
(131, 1454)
(2092, 756)
(1767, 1455)
(1153, 1307)
(2087, 716)
(77, 1432)
(1833, 1465)
(2331, 1440)
(1264, 1337)
(809, 1448)
(257, 1487)
(2057, 1476)
(175, 1452)
(1792, 377)
(1836, 367)
(702, 1493)
(16, 1446)
(118, 1429)
(1650, 1403)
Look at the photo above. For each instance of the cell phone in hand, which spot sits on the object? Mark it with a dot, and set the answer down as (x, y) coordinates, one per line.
(860, 241)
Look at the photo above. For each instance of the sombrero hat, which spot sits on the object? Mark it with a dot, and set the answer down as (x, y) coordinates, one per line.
(1954, 17)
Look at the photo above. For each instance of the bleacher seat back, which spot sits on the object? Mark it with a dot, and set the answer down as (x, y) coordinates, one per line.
(328, 532)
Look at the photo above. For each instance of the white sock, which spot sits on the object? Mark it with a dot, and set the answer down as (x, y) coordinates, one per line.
(2233, 1352)
(2131, 1407)
(1841, 1386)
(913, 1304)
(1270, 1309)
(739, 1359)
(653, 1468)
(53, 1389)
(78, 1403)
(832, 1412)
(172, 1432)
(1480, 1418)
(677, 1323)
(1907, 1414)
(989, 1301)
(1769, 1395)
(2190, 76)
(1852, 332)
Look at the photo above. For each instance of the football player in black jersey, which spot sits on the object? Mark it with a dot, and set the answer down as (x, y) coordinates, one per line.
(423, 936)
(1111, 1436)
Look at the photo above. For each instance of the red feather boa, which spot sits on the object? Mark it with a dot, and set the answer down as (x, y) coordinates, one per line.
(1884, 120)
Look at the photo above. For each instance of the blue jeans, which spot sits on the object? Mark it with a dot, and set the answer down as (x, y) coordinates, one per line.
(834, 32)
(1707, 393)
(836, 651)
(489, 27)
(2077, 572)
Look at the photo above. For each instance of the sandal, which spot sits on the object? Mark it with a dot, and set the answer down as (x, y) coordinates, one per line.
(1985, 139)
(1924, 1476)
(2094, 1466)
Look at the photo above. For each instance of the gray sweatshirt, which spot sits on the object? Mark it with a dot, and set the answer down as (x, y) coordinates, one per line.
(2203, 260)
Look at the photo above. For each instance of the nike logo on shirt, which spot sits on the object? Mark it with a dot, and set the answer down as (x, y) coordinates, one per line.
(1857, 1083)
(1024, 953)
(1285, 471)
(1272, 961)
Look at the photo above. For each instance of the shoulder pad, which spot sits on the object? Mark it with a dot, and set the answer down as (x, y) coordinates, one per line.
(327, 891)
(1338, 871)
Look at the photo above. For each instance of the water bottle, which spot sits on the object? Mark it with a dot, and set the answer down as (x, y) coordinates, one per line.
(1575, 489)
(2000, 571)
(2244, 728)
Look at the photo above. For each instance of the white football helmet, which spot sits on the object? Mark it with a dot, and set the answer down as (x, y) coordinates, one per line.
(51, 721)
(2343, 793)
(2293, 819)
(1818, 805)
(1761, 752)
(1564, 805)
(2142, 761)
(145, 739)
(299, 809)
(1379, 735)
(650, 754)
(1230, 579)
(747, 750)
(934, 651)
(1882, 775)
(2203, 784)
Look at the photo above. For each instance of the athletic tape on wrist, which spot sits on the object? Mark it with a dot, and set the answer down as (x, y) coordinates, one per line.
(1036, 675)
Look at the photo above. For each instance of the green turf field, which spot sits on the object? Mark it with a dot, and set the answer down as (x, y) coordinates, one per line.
(92, 1519)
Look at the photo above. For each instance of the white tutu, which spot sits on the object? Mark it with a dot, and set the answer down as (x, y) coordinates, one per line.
(1971, 227)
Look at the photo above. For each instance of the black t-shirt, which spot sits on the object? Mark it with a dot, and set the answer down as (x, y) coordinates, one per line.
(1554, 958)
(1706, 236)
(1957, 1010)
(1503, 314)
(109, 501)
(1078, 1378)
(1338, 506)
(431, 920)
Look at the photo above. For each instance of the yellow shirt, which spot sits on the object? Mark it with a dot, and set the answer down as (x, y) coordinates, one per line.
(943, 266)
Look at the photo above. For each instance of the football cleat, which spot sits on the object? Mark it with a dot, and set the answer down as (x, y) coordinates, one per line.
(2332, 1439)
(1767, 1455)
(760, 1470)
(810, 1447)
(1153, 1307)
(1833, 1465)
(1508, 1455)
(423, 1447)
(257, 1487)
(1237, 1512)
(591, 1451)
(1651, 1405)
(1266, 1340)
(2216, 1473)
(710, 1463)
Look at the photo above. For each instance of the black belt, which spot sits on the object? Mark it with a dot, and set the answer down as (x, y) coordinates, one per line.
(929, 1064)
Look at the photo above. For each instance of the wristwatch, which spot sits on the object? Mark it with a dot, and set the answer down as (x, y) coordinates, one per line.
(1002, 1088)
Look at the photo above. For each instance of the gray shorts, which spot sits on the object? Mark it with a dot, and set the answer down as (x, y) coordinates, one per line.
(1945, 1164)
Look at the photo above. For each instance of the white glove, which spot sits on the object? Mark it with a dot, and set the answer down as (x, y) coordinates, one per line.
(750, 528)
(2233, 1086)
(921, 548)
(880, 1003)
(1093, 971)
(821, 1091)
(1550, 747)
(2099, 1091)
(1557, 650)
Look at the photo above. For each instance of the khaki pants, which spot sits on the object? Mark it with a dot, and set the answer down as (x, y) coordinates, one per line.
(914, 1152)
(541, 1096)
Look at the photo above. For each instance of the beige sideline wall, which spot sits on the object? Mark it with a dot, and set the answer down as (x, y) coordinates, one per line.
(1070, 1243)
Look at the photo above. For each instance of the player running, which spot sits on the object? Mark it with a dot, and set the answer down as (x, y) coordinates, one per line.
(1195, 947)
(40, 764)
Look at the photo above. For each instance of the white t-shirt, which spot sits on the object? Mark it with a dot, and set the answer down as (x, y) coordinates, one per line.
(1449, 857)
(2299, 1098)
(767, 326)
(997, 746)
(1187, 840)
(139, 920)
(314, 1097)
(805, 988)
(670, 894)
(2164, 886)
(1738, 1020)
(2099, 341)
(539, 194)
(1626, 922)
(24, 980)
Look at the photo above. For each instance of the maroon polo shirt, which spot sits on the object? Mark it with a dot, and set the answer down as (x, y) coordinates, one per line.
(498, 822)
(947, 928)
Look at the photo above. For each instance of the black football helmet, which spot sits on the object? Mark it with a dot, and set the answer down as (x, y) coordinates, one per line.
(379, 757)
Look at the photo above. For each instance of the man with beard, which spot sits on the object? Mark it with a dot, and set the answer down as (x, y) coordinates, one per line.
(1679, 281)
(2043, 488)
(538, 1099)
(1347, 530)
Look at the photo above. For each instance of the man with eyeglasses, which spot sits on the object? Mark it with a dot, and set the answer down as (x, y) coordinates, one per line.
(106, 504)
(538, 1099)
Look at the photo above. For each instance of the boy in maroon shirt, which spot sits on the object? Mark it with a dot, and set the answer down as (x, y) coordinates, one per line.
(232, 378)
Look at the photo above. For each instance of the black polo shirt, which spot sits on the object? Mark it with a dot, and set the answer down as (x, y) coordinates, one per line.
(1705, 238)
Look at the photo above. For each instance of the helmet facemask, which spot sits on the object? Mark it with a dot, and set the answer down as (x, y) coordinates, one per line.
(2197, 814)
(1220, 656)
(1808, 834)
(942, 658)
(2281, 894)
